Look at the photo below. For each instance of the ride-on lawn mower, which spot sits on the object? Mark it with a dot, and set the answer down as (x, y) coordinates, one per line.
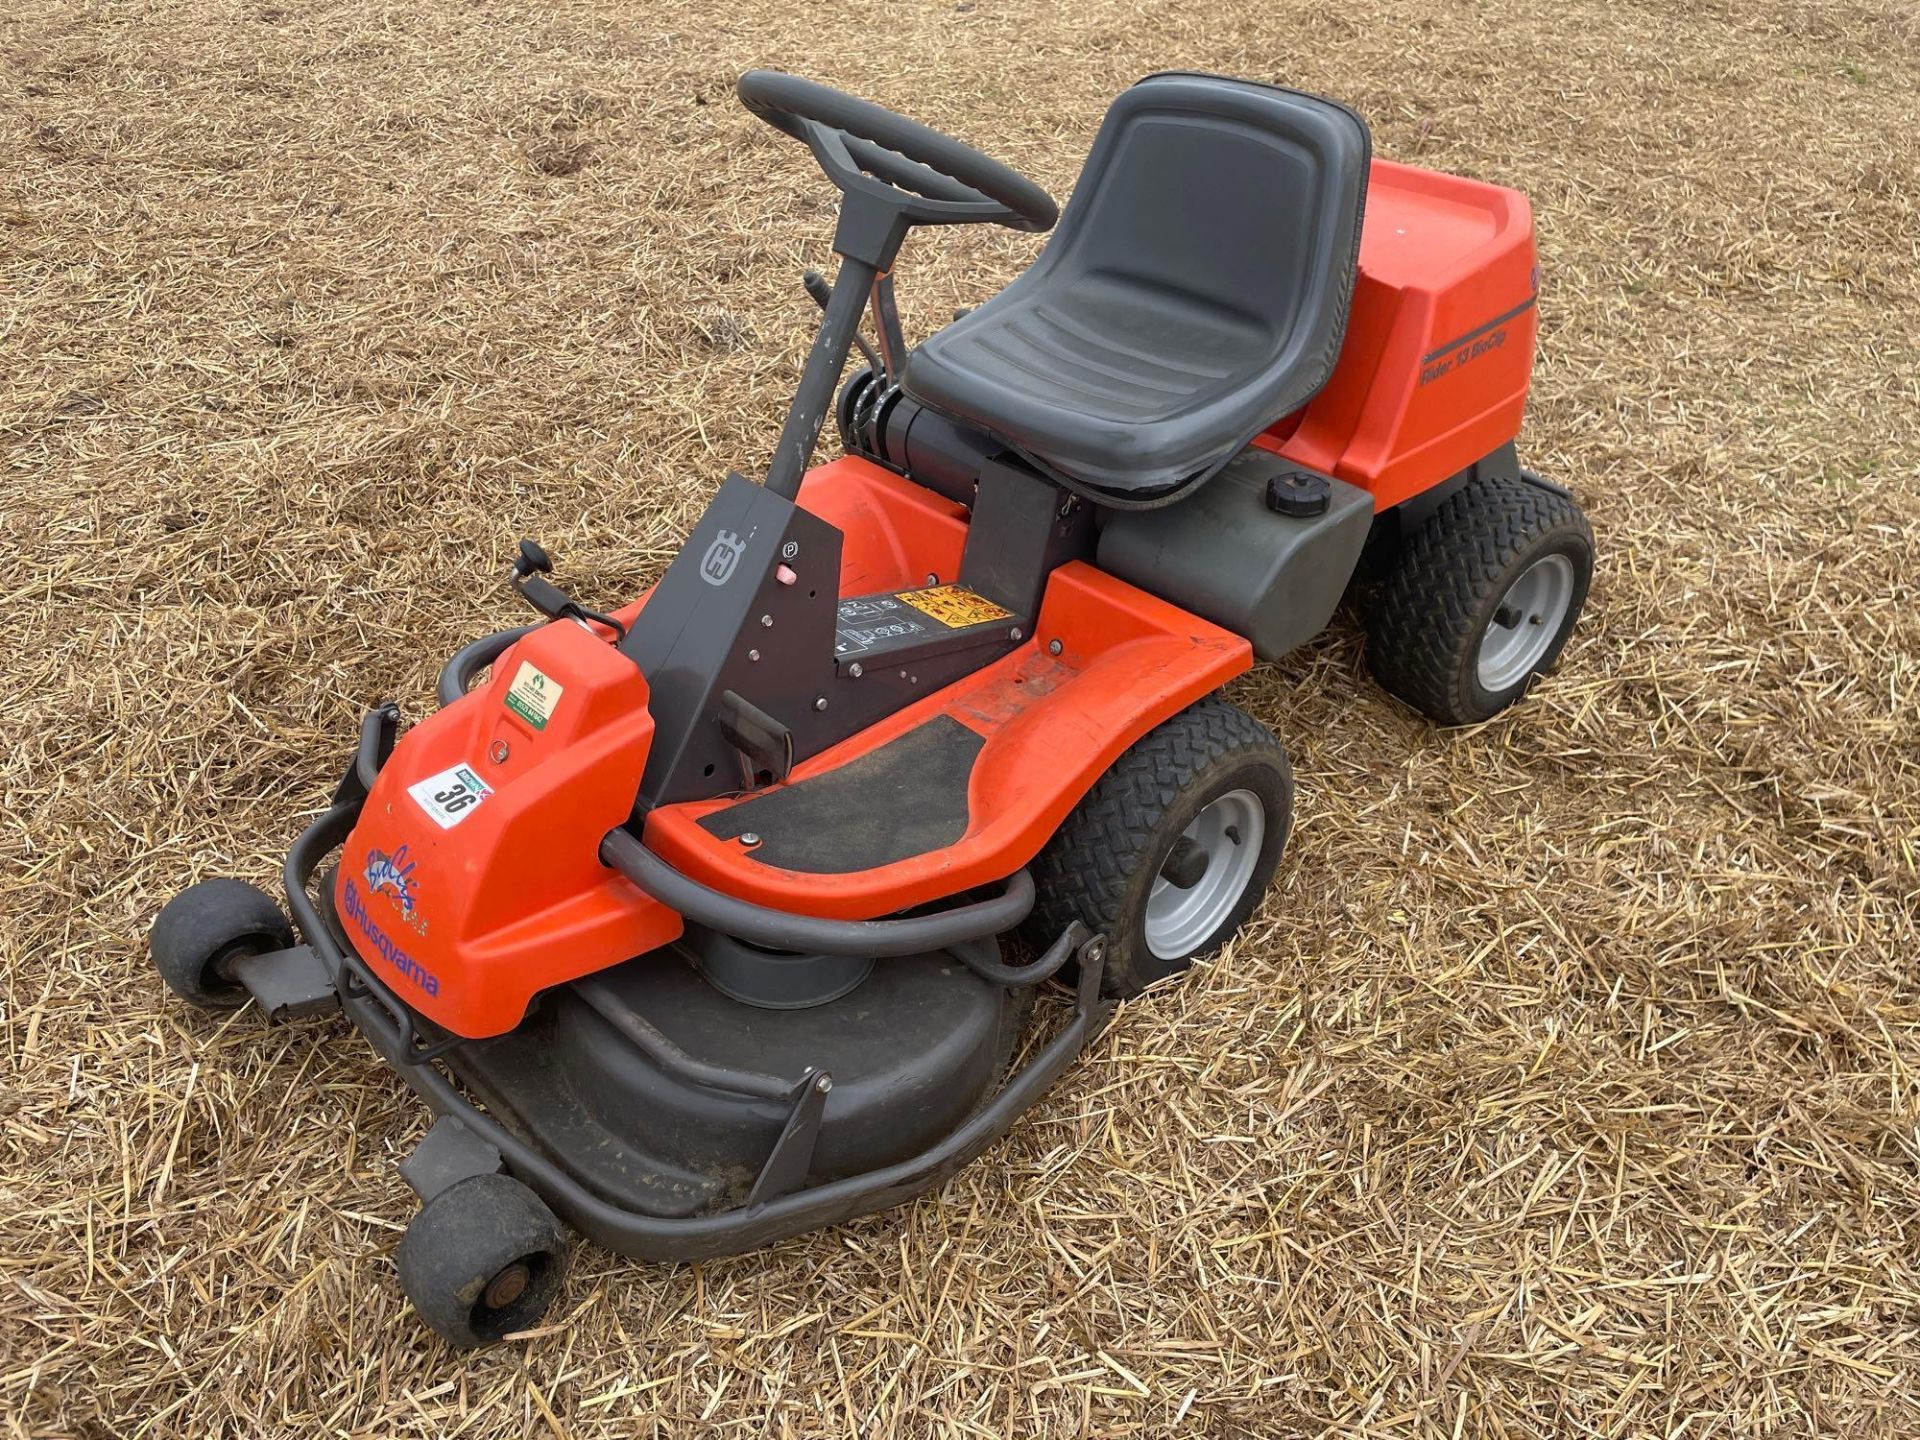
(718, 918)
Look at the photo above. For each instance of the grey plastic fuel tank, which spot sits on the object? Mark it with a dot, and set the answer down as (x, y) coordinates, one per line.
(1225, 554)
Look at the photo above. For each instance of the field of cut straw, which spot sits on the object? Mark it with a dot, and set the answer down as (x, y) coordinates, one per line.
(1568, 1083)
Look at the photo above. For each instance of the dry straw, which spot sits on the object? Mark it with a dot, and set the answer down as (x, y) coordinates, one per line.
(1565, 1085)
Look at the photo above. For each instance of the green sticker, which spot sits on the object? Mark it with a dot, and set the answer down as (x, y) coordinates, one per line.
(533, 696)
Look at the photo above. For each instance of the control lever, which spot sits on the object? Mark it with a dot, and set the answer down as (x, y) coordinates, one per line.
(821, 292)
(530, 569)
(886, 324)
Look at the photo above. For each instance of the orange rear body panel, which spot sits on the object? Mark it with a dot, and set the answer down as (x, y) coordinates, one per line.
(1438, 354)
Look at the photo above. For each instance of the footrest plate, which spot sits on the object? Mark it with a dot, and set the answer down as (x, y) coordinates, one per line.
(287, 984)
(448, 1154)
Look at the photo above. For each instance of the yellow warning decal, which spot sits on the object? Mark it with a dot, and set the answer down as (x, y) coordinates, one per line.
(954, 606)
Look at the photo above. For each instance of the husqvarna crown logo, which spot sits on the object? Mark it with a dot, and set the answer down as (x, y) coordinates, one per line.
(721, 558)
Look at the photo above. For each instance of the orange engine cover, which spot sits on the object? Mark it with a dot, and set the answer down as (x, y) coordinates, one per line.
(1438, 354)
(473, 879)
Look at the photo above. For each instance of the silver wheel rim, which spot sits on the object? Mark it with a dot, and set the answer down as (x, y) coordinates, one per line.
(1228, 832)
(1525, 623)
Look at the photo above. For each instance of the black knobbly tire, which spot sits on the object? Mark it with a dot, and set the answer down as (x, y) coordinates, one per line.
(199, 933)
(1101, 865)
(482, 1259)
(1446, 591)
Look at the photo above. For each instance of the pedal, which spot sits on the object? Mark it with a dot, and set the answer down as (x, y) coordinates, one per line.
(764, 745)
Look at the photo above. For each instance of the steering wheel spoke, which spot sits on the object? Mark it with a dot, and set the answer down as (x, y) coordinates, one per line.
(921, 181)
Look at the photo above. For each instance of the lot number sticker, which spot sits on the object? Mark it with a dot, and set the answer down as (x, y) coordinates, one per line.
(533, 696)
(451, 796)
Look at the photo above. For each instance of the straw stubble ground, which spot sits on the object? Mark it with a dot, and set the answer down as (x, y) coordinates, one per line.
(1566, 1083)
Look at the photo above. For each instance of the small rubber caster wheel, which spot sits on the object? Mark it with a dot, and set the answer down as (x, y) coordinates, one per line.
(1481, 600)
(1173, 848)
(482, 1259)
(202, 931)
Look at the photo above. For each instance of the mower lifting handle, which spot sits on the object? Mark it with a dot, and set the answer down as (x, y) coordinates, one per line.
(780, 930)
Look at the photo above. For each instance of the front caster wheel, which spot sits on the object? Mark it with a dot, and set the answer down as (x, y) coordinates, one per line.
(1481, 600)
(482, 1259)
(1173, 847)
(200, 933)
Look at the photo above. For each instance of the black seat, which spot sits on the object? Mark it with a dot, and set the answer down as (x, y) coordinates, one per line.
(1195, 292)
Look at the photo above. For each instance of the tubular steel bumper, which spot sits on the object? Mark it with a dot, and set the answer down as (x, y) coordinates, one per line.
(779, 930)
(411, 1045)
(458, 673)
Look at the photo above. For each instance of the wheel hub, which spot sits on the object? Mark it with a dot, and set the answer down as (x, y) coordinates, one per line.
(1186, 864)
(222, 967)
(1205, 874)
(1525, 623)
(508, 1286)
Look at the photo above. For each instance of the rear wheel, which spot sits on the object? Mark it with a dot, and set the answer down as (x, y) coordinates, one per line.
(1481, 599)
(1173, 847)
(482, 1259)
(201, 933)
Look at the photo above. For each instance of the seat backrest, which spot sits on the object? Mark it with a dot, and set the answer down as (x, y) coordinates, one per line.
(1232, 193)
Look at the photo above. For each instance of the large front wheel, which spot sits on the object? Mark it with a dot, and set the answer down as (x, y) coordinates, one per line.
(1173, 847)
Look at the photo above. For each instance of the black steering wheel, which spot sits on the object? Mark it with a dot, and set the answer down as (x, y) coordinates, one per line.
(931, 178)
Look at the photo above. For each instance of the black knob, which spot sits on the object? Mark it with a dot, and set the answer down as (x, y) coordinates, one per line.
(1299, 493)
(532, 558)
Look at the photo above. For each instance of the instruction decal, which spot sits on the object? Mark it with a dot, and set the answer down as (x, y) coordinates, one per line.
(871, 620)
(533, 695)
(451, 796)
(955, 606)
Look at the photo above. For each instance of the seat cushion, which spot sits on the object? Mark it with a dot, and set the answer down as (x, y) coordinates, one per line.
(1195, 292)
